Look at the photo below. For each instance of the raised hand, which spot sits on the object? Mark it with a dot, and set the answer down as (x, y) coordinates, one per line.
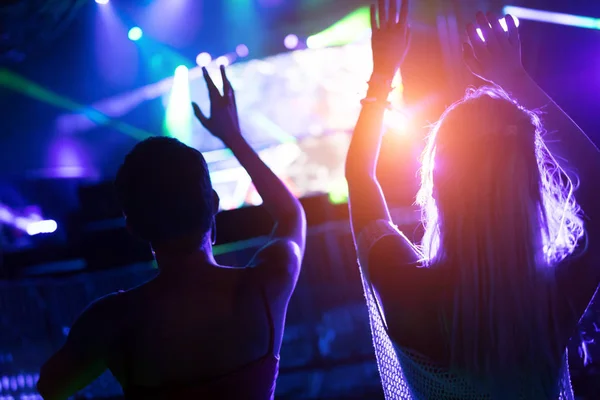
(498, 58)
(391, 36)
(223, 122)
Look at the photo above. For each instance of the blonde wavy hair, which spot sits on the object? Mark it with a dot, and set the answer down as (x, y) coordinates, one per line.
(500, 214)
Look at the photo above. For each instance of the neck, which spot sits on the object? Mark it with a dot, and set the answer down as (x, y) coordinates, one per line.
(172, 261)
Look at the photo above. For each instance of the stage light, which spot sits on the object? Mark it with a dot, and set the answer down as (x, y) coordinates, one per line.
(223, 60)
(102, 1)
(203, 59)
(39, 227)
(135, 33)
(396, 121)
(181, 71)
(502, 23)
(242, 50)
(178, 121)
(553, 17)
(291, 41)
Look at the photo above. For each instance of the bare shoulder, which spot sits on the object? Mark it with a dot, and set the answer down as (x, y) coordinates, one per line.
(278, 263)
(279, 252)
(108, 307)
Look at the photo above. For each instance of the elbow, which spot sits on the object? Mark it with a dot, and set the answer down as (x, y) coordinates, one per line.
(290, 212)
(293, 209)
(358, 168)
(351, 165)
(352, 169)
(357, 173)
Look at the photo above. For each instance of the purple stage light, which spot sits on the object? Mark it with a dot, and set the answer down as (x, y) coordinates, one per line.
(291, 41)
(31, 223)
(242, 50)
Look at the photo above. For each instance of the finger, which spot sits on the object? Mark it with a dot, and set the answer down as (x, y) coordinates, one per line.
(486, 29)
(408, 36)
(501, 36)
(403, 20)
(227, 88)
(470, 60)
(212, 88)
(393, 12)
(477, 44)
(232, 98)
(513, 31)
(200, 115)
(374, 26)
(381, 13)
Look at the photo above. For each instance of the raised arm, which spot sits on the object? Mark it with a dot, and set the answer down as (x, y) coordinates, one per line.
(289, 234)
(390, 41)
(498, 60)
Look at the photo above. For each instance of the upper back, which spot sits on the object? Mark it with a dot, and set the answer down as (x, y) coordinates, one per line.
(192, 328)
(414, 360)
(414, 298)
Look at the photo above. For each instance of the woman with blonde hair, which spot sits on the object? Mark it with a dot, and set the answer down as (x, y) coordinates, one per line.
(484, 307)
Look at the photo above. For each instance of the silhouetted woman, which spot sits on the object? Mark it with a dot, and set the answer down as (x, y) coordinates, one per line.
(199, 330)
(485, 306)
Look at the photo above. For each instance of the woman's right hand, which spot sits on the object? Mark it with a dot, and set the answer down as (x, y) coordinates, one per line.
(498, 58)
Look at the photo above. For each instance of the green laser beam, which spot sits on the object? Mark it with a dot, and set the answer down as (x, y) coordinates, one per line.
(24, 86)
(347, 30)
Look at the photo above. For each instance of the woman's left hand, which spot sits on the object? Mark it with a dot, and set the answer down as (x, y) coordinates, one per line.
(223, 122)
(391, 36)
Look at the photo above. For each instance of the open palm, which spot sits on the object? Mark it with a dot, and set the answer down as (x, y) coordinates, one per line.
(223, 121)
(498, 58)
(390, 36)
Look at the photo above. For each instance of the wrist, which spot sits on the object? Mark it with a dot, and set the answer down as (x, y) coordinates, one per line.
(514, 80)
(382, 77)
(234, 142)
(380, 86)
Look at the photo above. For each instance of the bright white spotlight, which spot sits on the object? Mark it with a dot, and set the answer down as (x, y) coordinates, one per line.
(396, 121)
(102, 1)
(291, 41)
(38, 227)
(203, 59)
(314, 42)
(223, 60)
(181, 71)
(135, 33)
